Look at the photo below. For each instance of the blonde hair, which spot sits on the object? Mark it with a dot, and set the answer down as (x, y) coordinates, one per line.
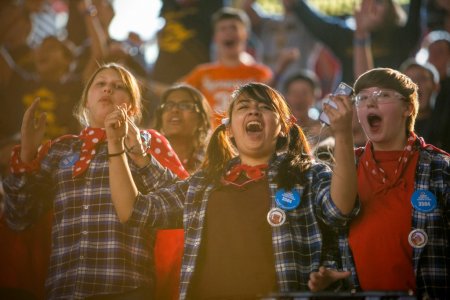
(131, 84)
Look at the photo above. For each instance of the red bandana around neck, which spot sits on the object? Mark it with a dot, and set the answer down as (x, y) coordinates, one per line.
(91, 138)
(378, 173)
(252, 173)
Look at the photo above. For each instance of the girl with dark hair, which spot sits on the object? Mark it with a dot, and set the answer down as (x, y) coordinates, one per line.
(184, 118)
(252, 213)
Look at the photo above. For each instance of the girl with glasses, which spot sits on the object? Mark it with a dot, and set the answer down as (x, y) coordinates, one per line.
(184, 118)
(400, 240)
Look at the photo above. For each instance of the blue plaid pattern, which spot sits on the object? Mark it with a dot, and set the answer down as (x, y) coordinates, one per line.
(297, 243)
(93, 253)
(431, 263)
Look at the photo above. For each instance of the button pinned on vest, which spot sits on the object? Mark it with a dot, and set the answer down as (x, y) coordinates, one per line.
(287, 200)
(423, 200)
(276, 217)
(69, 160)
(418, 238)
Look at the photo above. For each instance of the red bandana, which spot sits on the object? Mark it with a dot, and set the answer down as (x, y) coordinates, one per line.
(378, 173)
(91, 138)
(252, 173)
(160, 149)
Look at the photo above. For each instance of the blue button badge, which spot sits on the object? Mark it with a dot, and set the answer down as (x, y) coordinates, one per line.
(69, 160)
(423, 200)
(287, 200)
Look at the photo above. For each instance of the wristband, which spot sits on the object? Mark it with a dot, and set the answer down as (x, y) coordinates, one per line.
(145, 139)
(91, 11)
(131, 150)
(361, 42)
(116, 154)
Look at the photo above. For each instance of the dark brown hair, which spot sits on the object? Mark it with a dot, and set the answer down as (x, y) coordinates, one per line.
(291, 140)
(203, 110)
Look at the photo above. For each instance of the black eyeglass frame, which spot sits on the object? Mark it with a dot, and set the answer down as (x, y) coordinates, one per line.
(189, 106)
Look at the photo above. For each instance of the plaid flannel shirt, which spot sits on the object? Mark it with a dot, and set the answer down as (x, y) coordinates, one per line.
(297, 243)
(92, 251)
(432, 262)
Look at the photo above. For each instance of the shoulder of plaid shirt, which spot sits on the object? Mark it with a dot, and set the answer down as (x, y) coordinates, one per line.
(431, 267)
(288, 243)
(25, 178)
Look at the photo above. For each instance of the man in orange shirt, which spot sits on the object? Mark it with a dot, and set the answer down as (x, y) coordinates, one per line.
(233, 65)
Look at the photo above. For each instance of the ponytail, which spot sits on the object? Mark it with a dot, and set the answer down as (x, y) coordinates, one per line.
(218, 153)
(297, 160)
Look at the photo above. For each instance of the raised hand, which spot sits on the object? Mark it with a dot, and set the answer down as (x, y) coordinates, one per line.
(32, 132)
(116, 127)
(366, 17)
(318, 281)
(341, 117)
(287, 56)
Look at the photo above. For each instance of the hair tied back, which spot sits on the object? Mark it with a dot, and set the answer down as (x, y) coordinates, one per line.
(225, 121)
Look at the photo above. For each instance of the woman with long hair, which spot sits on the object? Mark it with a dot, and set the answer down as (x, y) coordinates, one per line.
(252, 213)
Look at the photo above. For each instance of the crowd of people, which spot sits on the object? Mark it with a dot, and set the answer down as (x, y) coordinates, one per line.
(209, 174)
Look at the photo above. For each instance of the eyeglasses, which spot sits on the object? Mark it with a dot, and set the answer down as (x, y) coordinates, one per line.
(378, 96)
(183, 106)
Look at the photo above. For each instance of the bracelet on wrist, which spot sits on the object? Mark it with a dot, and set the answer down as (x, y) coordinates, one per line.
(361, 42)
(133, 151)
(91, 11)
(116, 154)
(145, 140)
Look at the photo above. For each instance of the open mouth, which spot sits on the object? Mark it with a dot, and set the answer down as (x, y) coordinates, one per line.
(174, 120)
(105, 99)
(229, 43)
(254, 126)
(374, 120)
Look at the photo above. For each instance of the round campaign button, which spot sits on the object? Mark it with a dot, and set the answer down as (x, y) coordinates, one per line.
(276, 217)
(287, 200)
(69, 160)
(418, 238)
(423, 200)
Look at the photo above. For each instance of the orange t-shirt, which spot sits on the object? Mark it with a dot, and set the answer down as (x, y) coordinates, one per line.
(217, 82)
(379, 235)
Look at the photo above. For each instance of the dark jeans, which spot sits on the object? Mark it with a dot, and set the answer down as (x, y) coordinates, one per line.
(142, 293)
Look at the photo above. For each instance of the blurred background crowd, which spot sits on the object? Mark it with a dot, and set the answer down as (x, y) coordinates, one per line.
(303, 48)
(48, 47)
